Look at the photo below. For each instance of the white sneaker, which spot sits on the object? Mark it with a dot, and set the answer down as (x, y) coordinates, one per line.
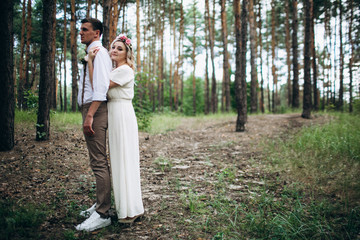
(88, 212)
(93, 222)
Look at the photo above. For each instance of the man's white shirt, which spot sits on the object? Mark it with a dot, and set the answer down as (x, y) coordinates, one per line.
(101, 76)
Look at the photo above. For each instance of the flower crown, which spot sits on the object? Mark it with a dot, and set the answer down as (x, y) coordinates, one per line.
(124, 39)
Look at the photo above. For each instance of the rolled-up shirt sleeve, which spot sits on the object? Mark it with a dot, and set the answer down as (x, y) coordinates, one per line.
(101, 75)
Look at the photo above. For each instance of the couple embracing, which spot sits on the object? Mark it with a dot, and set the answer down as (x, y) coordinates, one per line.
(106, 90)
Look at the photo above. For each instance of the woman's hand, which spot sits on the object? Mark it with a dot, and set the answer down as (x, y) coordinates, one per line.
(92, 53)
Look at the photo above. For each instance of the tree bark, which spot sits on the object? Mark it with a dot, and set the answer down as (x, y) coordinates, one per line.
(226, 55)
(89, 2)
(74, 64)
(313, 53)
(341, 89)
(106, 23)
(46, 68)
(206, 83)
(213, 81)
(253, 53)
(171, 59)
(53, 52)
(194, 61)
(307, 78)
(287, 44)
(174, 57)
(7, 97)
(60, 83)
(27, 50)
(295, 94)
(240, 74)
(65, 88)
(273, 46)
(262, 100)
(352, 49)
(21, 82)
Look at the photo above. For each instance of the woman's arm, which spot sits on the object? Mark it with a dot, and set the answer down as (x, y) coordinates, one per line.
(112, 84)
(90, 63)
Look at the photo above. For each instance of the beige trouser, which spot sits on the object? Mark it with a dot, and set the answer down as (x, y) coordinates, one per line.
(96, 145)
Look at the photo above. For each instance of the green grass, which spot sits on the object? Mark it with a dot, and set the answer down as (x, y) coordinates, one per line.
(162, 123)
(20, 221)
(325, 156)
(59, 120)
(319, 163)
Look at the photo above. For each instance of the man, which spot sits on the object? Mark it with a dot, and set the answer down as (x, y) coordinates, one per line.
(92, 101)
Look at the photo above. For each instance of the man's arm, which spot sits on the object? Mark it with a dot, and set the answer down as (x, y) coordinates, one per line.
(100, 84)
(87, 127)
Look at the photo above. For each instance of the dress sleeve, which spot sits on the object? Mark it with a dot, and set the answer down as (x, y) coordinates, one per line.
(122, 76)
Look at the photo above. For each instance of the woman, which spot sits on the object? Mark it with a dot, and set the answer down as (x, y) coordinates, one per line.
(123, 131)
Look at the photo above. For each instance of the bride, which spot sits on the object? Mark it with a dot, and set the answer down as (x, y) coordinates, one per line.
(123, 131)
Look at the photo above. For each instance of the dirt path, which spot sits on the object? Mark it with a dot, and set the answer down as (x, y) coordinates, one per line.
(56, 173)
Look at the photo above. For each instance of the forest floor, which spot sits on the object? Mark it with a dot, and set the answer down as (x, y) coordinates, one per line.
(183, 162)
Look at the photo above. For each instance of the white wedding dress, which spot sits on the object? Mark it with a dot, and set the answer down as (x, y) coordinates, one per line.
(124, 144)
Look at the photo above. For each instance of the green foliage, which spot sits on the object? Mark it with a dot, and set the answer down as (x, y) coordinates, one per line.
(356, 106)
(20, 221)
(188, 96)
(32, 100)
(142, 106)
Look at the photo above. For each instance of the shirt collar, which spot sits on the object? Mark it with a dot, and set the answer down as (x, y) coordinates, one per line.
(93, 44)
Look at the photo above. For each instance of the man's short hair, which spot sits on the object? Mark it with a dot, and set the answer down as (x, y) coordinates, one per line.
(96, 24)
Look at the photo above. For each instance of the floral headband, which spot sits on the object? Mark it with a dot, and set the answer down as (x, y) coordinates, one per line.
(124, 39)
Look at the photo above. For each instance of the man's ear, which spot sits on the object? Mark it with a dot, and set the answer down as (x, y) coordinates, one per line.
(97, 33)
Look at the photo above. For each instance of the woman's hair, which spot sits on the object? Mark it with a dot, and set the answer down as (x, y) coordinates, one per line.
(129, 50)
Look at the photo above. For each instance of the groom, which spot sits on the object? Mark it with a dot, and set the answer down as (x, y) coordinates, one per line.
(92, 101)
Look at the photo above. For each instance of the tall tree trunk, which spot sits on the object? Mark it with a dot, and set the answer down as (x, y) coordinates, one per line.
(226, 55)
(174, 57)
(341, 89)
(138, 48)
(21, 82)
(240, 74)
(295, 94)
(171, 59)
(46, 68)
(106, 22)
(206, 84)
(213, 81)
(287, 44)
(352, 49)
(7, 106)
(60, 83)
(253, 93)
(96, 8)
(307, 78)
(33, 68)
(65, 88)
(53, 52)
(273, 45)
(194, 61)
(179, 61)
(161, 58)
(27, 50)
(89, 2)
(74, 64)
(313, 53)
(262, 100)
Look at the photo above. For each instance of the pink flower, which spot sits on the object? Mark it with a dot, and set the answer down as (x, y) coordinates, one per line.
(128, 41)
(122, 37)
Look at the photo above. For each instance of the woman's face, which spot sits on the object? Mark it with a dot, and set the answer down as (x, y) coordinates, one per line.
(118, 52)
